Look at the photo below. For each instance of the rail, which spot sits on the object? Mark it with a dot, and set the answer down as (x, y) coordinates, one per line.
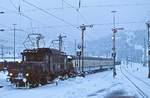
(140, 91)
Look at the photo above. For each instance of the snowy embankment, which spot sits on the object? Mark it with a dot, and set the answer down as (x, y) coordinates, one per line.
(72, 88)
(139, 75)
(99, 85)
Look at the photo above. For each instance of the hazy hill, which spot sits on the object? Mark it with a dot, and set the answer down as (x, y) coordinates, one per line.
(129, 45)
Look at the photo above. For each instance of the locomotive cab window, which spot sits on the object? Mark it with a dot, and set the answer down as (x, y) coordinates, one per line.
(33, 57)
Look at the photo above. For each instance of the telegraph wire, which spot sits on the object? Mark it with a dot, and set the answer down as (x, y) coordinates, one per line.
(46, 12)
(22, 14)
(67, 25)
(91, 6)
(10, 11)
(13, 4)
(29, 18)
(5, 26)
(132, 22)
(94, 24)
(77, 10)
(117, 5)
(25, 16)
(41, 23)
(62, 5)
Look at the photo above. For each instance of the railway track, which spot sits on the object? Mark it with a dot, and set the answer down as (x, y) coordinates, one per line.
(139, 90)
(138, 78)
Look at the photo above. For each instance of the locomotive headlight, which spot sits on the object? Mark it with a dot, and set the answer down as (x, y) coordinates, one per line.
(27, 74)
(19, 61)
(24, 80)
(10, 74)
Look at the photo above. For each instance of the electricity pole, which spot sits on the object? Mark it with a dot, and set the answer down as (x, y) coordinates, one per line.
(60, 37)
(75, 46)
(83, 28)
(114, 29)
(148, 42)
(14, 41)
(1, 30)
(2, 47)
(60, 41)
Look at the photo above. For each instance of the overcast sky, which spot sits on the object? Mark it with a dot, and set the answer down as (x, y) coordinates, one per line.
(62, 17)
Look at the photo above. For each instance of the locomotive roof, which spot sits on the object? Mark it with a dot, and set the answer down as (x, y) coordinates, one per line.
(42, 50)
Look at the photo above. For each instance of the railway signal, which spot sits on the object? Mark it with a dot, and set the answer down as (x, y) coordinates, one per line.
(83, 28)
(114, 29)
(148, 42)
(79, 56)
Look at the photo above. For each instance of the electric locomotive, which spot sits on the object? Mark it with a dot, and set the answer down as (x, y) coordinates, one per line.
(39, 66)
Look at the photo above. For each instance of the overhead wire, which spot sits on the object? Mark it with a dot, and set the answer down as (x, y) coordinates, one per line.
(69, 24)
(77, 10)
(13, 4)
(41, 9)
(79, 13)
(29, 18)
(24, 15)
(132, 22)
(48, 13)
(117, 5)
(94, 24)
(91, 6)
(5, 26)
(21, 14)
(62, 5)
(12, 11)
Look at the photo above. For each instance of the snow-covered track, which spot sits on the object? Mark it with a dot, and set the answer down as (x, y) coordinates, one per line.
(138, 78)
(140, 91)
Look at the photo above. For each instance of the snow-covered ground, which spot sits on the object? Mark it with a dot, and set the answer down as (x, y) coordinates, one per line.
(99, 85)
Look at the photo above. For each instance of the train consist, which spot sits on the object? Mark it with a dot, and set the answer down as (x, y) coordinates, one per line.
(42, 65)
(91, 64)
